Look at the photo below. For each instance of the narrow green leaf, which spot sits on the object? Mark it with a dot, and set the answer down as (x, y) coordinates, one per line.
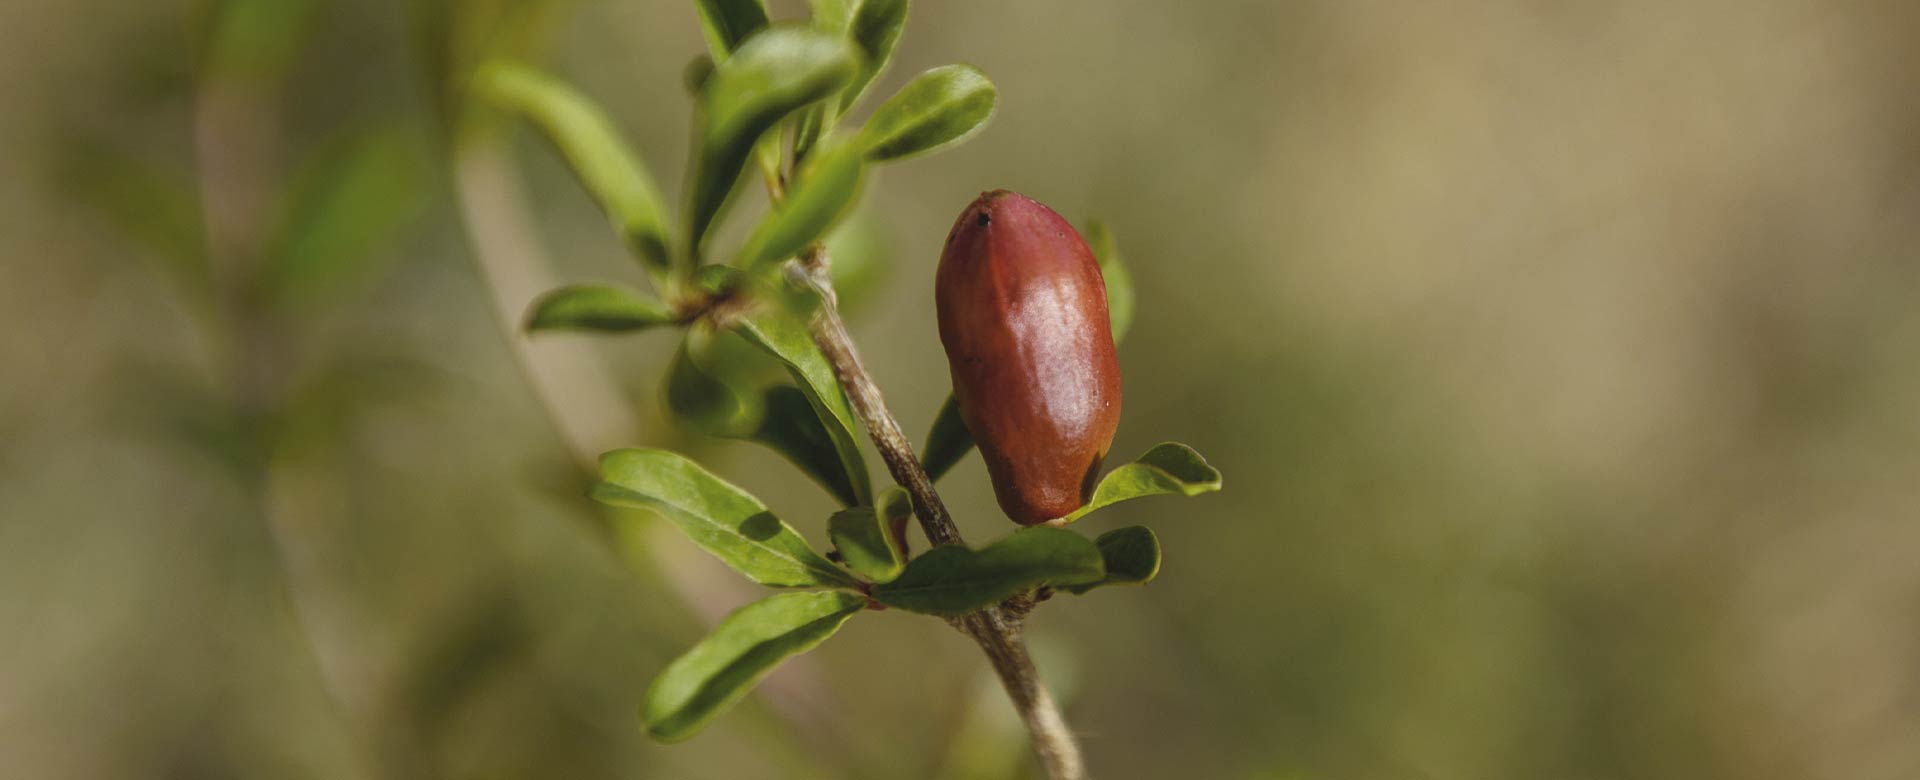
(1119, 281)
(939, 108)
(865, 537)
(953, 580)
(875, 28)
(948, 442)
(592, 146)
(716, 401)
(601, 307)
(719, 671)
(732, 525)
(1132, 557)
(727, 23)
(821, 192)
(1170, 468)
(792, 428)
(773, 74)
(784, 335)
(346, 202)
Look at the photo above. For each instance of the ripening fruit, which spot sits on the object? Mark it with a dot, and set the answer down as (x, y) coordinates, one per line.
(1023, 315)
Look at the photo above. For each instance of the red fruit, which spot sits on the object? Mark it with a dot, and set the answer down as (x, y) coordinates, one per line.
(1023, 315)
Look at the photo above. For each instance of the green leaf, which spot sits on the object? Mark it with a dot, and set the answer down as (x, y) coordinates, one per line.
(939, 108)
(1170, 468)
(1132, 557)
(724, 519)
(948, 442)
(729, 22)
(346, 202)
(953, 580)
(865, 536)
(821, 193)
(875, 28)
(719, 671)
(593, 148)
(783, 335)
(792, 428)
(1119, 280)
(774, 74)
(723, 403)
(601, 307)
(257, 39)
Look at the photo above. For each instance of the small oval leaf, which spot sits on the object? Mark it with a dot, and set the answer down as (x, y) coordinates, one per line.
(821, 193)
(599, 307)
(939, 108)
(586, 137)
(719, 671)
(732, 525)
(865, 537)
(1132, 557)
(1170, 468)
(953, 580)
(773, 74)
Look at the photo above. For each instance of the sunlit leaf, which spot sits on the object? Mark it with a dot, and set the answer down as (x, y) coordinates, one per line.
(1132, 557)
(347, 202)
(939, 108)
(953, 580)
(775, 73)
(1168, 469)
(865, 536)
(724, 667)
(821, 193)
(1119, 281)
(601, 307)
(729, 22)
(732, 525)
(593, 148)
(875, 28)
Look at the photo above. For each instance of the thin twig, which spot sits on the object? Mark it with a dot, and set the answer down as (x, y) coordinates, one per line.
(996, 629)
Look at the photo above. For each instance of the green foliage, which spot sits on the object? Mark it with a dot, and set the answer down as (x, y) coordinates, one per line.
(599, 307)
(729, 22)
(822, 192)
(783, 335)
(1131, 555)
(948, 442)
(732, 525)
(347, 201)
(953, 580)
(1119, 280)
(749, 644)
(1168, 469)
(157, 209)
(772, 75)
(729, 404)
(875, 28)
(939, 108)
(256, 39)
(866, 536)
(586, 137)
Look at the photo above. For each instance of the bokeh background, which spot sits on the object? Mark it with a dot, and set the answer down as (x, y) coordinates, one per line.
(1563, 361)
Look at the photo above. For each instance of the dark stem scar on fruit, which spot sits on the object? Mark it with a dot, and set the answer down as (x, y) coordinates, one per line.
(985, 219)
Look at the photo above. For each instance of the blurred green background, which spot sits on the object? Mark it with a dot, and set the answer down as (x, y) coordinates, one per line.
(1563, 361)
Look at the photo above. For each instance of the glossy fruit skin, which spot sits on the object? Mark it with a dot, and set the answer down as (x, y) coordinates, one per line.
(1023, 315)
